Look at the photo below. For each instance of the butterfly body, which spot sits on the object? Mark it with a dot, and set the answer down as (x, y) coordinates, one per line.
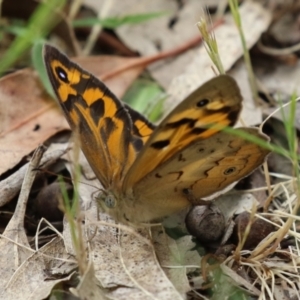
(149, 172)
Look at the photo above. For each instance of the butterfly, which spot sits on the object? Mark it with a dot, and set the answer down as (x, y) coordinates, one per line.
(148, 171)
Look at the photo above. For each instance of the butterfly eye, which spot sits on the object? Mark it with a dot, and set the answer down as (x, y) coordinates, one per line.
(107, 198)
(61, 74)
(202, 103)
(229, 171)
(110, 201)
(186, 191)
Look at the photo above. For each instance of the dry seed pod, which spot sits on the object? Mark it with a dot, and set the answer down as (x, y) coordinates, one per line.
(48, 201)
(258, 231)
(206, 223)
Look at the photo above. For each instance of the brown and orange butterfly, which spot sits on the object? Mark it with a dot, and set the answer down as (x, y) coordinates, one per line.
(149, 172)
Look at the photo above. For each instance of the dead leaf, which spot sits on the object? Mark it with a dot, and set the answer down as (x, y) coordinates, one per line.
(14, 244)
(100, 65)
(89, 286)
(10, 186)
(239, 280)
(255, 20)
(32, 279)
(177, 258)
(251, 114)
(28, 117)
(234, 203)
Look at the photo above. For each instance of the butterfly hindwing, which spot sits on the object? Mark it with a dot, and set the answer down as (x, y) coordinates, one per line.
(202, 169)
(142, 128)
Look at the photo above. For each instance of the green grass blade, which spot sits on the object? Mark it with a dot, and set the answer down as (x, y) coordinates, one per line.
(145, 96)
(39, 24)
(38, 63)
(234, 8)
(115, 22)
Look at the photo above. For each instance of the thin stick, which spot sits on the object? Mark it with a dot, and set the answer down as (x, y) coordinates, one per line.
(144, 61)
(107, 4)
(28, 180)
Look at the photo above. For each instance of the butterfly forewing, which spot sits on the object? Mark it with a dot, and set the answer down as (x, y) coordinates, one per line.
(108, 137)
(217, 102)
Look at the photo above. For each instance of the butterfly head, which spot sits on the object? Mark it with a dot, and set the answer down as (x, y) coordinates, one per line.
(124, 209)
(109, 203)
(106, 200)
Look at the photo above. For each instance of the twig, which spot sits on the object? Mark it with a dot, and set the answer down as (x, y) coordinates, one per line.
(10, 187)
(144, 61)
(275, 51)
(28, 181)
(97, 28)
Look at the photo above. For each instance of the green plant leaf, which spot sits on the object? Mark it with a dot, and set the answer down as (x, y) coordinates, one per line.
(114, 22)
(145, 96)
(40, 23)
(38, 63)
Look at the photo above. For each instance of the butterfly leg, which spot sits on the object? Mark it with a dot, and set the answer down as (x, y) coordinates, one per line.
(192, 199)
